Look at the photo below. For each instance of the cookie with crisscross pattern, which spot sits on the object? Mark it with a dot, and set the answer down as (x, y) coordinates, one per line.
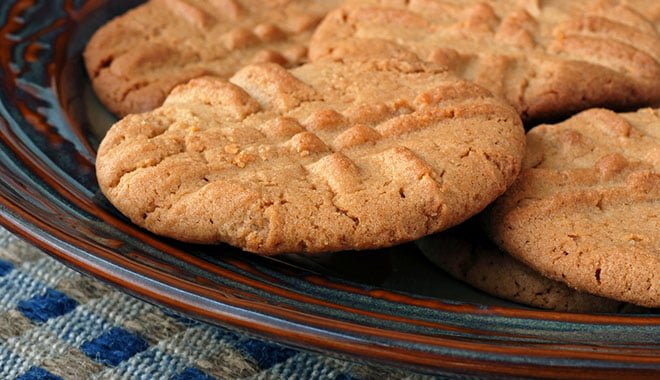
(546, 58)
(136, 59)
(586, 208)
(324, 157)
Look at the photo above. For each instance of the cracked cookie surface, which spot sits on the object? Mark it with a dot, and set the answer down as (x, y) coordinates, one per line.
(649, 8)
(137, 58)
(548, 59)
(323, 157)
(469, 257)
(586, 207)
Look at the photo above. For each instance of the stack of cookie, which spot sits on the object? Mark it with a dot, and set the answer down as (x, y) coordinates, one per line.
(317, 126)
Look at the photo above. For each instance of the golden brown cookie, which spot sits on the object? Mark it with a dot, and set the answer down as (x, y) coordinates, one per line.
(586, 208)
(649, 8)
(324, 157)
(136, 59)
(468, 256)
(548, 59)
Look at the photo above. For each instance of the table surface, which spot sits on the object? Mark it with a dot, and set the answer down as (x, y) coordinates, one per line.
(58, 324)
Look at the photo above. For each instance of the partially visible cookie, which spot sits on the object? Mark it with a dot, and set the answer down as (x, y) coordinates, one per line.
(548, 59)
(136, 59)
(324, 157)
(586, 207)
(649, 8)
(468, 256)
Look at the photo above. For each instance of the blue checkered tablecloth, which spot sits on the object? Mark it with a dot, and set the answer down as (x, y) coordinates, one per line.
(58, 324)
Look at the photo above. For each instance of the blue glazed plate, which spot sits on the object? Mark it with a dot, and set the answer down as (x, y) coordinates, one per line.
(387, 306)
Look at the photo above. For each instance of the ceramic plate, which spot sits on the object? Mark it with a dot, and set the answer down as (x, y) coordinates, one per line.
(388, 306)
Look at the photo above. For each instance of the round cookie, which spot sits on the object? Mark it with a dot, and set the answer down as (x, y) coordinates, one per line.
(469, 257)
(136, 59)
(324, 157)
(548, 59)
(585, 209)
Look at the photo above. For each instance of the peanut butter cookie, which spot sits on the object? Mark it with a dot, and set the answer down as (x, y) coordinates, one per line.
(324, 157)
(136, 59)
(467, 255)
(548, 59)
(586, 208)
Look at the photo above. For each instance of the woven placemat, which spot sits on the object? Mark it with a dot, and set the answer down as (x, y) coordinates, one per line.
(58, 324)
